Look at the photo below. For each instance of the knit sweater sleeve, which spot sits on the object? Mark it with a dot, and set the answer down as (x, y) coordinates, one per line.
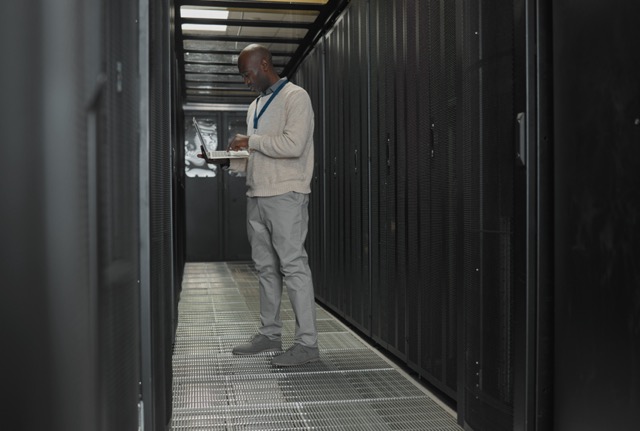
(291, 143)
(238, 165)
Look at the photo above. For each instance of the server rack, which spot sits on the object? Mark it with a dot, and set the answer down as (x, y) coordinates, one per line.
(488, 160)
(215, 202)
(387, 289)
(311, 77)
(596, 131)
(347, 182)
(157, 226)
(442, 218)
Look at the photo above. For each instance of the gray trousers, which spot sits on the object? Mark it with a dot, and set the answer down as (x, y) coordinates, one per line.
(277, 227)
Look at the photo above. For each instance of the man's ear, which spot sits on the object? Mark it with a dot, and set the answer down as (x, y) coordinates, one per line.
(264, 64)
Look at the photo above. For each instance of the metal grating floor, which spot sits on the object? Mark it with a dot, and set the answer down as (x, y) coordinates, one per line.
(352, 387)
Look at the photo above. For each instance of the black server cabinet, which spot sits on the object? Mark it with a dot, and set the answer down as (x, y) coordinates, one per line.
(336, 121)
(388, 283)
(487, 135)
(118, 233)
(356, 155)
(596, 99)
(414, 186)
(438, 192)
(215, 202)
(442, 218)
(347, 153)
(311, 78)
(69, 215)
(158, 296)
(234, 207)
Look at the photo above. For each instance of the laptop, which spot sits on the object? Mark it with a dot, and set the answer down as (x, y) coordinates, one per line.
(220, 154)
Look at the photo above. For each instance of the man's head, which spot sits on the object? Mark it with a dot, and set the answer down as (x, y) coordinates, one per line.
(256, 68)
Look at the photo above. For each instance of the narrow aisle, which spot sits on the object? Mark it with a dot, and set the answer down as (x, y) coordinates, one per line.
(351, 387)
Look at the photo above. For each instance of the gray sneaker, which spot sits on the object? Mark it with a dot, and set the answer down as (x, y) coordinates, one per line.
(296, 355)
(258, 344)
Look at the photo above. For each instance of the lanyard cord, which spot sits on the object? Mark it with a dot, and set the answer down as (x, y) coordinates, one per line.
(257, 116)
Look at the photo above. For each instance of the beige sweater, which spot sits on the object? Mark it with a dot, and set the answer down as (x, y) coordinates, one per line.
(281, 148)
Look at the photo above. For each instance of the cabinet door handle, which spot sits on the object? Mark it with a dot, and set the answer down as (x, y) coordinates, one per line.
(521, 140)
(355, 161)
(388, 153)
(433, 140)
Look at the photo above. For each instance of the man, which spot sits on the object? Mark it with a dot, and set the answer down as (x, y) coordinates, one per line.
(279, 170)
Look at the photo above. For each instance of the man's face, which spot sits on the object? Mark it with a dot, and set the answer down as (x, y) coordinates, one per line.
(250, 67)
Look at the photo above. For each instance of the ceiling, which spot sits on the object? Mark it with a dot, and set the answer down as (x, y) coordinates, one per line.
(211, 33)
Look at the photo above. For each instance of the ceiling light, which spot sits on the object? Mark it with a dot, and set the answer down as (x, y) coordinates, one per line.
(203, 27)
(193, 12)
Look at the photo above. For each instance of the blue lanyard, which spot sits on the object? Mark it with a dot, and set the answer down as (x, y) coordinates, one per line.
(257, 116)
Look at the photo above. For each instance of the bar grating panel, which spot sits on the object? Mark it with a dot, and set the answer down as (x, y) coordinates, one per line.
(351, 387)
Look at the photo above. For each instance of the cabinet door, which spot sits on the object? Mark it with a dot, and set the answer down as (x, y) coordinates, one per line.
(235, 242)
(215, 201)
(337, 118)
(487, 133)
(311, 77)
(596, 151)
(203, 196)
(388, 285)
(347, 120)
(436, 190)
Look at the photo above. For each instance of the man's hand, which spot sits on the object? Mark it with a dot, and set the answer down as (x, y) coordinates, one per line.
(239, 142)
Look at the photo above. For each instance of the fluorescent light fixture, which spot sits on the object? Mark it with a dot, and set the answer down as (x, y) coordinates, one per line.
(193, 12)
(203, 27)
(205, 13)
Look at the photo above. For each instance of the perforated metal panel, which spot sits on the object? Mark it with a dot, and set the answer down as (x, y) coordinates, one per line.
(414, 191)
(351, 387)
(311, 77)
(392, 238)
(438, 122)
(160, 223)
(346, 123)
(488, 158)
(596, 208)
(387, 68)
(117, 175)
